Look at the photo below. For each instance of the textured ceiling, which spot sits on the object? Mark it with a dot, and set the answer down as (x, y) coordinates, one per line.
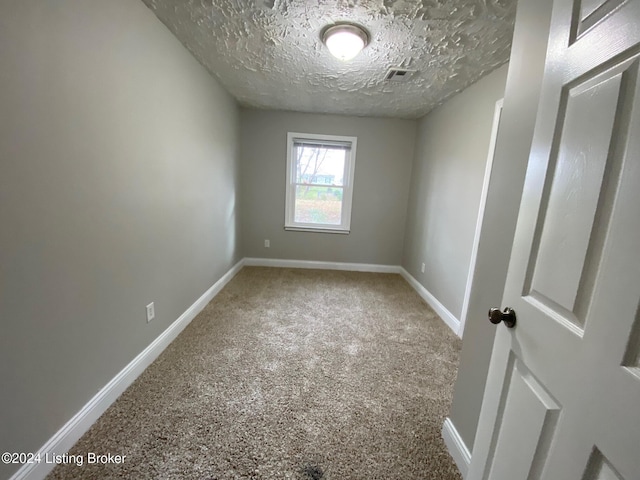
(268, 53)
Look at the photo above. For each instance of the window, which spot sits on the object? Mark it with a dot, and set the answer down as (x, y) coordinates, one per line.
(319, 182)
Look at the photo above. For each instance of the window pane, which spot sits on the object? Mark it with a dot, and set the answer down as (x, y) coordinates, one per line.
(319, 164)
(318, 205)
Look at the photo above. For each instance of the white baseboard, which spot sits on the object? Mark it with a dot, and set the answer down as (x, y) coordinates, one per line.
(457, 448)
(62, 441)
(449, 318)
(354, 267)
(452, 322)
(71, 432)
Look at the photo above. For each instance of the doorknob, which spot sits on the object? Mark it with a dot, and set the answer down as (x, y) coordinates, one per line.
(508, 316)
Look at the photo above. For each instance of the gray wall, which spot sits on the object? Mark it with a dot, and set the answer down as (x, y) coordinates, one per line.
(446, 184)
(118, 183)
(501, 212)
(383, 169)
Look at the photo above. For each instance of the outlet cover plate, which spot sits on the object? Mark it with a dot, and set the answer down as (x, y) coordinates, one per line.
(151, 312)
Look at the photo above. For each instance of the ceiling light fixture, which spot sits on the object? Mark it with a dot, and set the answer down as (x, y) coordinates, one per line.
(345, 40)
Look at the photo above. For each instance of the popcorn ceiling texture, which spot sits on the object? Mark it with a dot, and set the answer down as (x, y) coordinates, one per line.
(268, 53)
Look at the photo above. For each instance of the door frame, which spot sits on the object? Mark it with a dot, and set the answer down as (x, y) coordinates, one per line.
(497, 113)
(522, 92)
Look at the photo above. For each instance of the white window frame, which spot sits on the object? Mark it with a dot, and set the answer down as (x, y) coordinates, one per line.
(347, 192)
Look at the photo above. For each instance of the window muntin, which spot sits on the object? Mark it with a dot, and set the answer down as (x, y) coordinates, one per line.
(319, 182)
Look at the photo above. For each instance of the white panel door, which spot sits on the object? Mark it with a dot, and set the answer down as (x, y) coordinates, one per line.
(562, 399)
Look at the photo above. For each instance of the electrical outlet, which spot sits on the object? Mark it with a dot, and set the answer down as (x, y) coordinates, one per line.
(151, 312)
(267, 243)
(422, 268)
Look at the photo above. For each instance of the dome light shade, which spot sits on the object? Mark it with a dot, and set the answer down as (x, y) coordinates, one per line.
(345, 41)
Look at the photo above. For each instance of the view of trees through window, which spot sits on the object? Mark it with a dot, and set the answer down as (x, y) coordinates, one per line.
(319, 183)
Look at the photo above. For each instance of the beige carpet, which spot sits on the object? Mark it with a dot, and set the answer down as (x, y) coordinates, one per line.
(289, 374)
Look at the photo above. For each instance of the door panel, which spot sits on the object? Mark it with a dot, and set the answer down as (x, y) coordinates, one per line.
(569, 204)
(588, 13)
(528, 421)
(600, 469)
(568, 405)
(632, 355)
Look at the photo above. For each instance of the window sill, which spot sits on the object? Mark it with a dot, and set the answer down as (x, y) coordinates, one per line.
(317, 230)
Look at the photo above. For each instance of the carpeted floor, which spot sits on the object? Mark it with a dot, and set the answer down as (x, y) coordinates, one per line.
(289, 374)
